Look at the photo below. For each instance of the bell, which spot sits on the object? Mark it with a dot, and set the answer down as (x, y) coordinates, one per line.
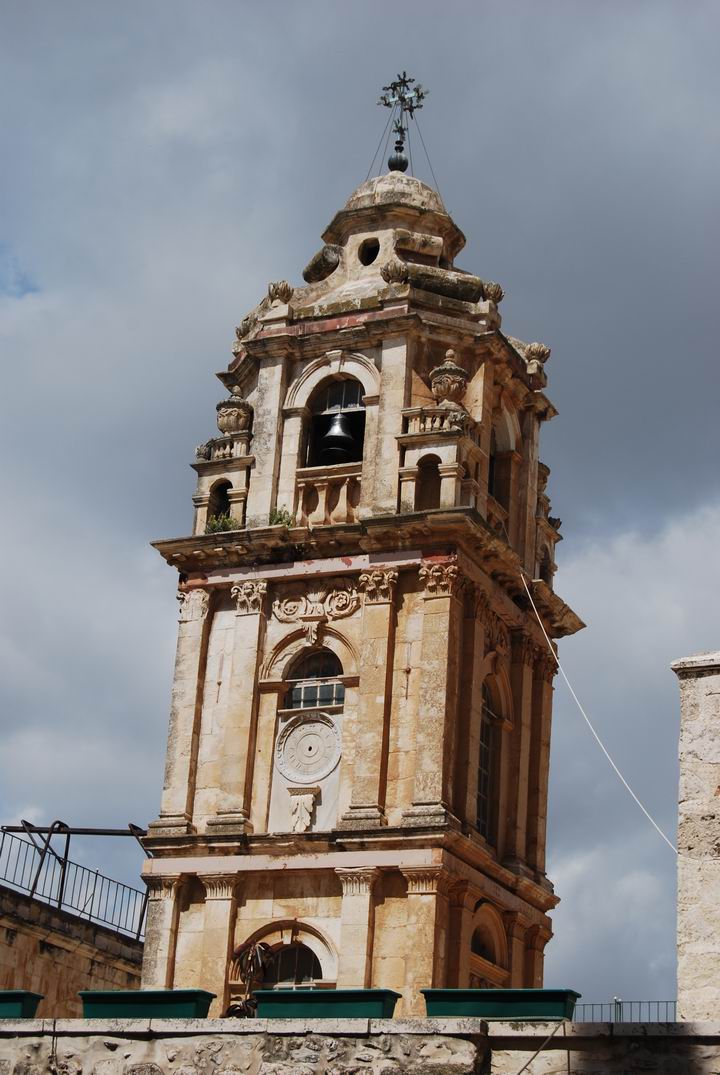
(338, 444)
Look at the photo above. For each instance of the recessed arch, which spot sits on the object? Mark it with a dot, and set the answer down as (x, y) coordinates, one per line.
(506, 428)
(489, 939)
(282, 657)
(427, 483)
(285, 932)
(336, 364)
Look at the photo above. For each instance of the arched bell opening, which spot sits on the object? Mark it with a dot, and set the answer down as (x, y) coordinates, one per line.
(337, 424)
(427, 483)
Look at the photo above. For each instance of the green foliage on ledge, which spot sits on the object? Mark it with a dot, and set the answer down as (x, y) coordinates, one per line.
(281, 517)
(216, 524)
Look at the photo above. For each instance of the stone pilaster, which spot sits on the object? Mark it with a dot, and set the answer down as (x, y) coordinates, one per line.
(356, 926)
(267, 421)
(522, 656)
(220, 909)
(428, 890)
(516, 926)
(542, 694)
(239, 731)
(160, 932)
(435, 736)
(463, 898)
(536, 938)
(377, 648)
(698, 918)
(179, 782)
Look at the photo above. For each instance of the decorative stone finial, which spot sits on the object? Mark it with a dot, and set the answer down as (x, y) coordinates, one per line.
(234, 415)
(449, 381)
(493, 292)
(536, 355)
(280, 291)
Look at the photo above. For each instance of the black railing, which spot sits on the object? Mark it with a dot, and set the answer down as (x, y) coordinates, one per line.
(627, 1011)
(52, 878)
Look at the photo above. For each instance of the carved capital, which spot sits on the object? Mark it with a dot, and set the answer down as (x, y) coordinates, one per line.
(194, 604)
(537, 937)
(441, 579)
(249, 596)
(359, 881)
(427, 880)
(378, 586)
(162, 888)
(219, 886)
(524, 648)
(516, 925)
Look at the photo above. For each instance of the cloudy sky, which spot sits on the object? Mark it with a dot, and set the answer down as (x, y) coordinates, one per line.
(161, 162)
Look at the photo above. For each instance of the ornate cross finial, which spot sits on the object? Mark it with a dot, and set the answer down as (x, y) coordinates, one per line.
(408, 95)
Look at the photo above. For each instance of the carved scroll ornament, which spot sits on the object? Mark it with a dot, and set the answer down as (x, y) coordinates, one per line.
(313, 607)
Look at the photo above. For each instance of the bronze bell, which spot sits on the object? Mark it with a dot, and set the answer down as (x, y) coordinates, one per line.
(338, 444)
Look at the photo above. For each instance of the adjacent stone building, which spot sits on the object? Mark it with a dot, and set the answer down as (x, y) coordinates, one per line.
(698, 926)
(357, 760)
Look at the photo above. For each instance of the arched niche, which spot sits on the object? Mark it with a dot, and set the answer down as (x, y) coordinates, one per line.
(489, 939)
(427, 483)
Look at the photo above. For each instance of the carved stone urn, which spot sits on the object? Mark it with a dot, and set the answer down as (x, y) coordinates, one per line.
(449, 382)
(234, 415)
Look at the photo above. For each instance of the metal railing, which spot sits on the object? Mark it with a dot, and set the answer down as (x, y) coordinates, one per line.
(52, 878)
(627, 1011)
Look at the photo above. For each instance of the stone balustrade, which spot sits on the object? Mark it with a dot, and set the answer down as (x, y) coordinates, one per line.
(326, 495)
(231, 446)
(419, 421)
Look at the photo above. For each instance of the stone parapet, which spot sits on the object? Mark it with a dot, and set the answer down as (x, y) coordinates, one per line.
(375, 1046)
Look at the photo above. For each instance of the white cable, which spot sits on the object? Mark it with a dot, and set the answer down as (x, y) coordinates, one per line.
(598, 740)
(537, 1052)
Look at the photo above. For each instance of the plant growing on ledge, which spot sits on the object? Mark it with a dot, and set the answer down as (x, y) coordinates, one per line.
(216, 524)
(281, 517)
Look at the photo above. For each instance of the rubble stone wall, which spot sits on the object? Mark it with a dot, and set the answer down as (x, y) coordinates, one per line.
(351, 1046)
(56, 954)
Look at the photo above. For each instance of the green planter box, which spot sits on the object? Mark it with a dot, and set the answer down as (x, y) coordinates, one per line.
(509, 1004)
(145, 1003)
(18, 1003)
(326, 1003)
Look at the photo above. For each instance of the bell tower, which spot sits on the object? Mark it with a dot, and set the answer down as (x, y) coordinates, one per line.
(357, 760)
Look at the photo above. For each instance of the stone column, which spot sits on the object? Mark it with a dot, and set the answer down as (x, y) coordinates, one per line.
(426, 933)
(367, 802)
(239, 731)
(698, 920)
(158, 964)
(516, 926)
(542, 692)
(217, 938)
(357, 920)
(179, 782)
(394, 375)
(435, 738)
(522, 656)
(450, 478)
(536, 939)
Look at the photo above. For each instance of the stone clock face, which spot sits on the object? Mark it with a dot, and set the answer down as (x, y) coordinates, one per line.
(308, 748)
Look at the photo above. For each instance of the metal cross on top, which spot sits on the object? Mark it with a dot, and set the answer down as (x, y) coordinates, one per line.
(408, 95)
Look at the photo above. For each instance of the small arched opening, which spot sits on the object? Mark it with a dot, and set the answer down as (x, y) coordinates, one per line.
(336, 432)
(427, 483)
(219, 502)
(488, 950)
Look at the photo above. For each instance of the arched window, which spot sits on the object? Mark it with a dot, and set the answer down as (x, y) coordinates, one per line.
(488, 950)
(219, 503)
(488, 766)
(291, 966)
(427, 484)
(337, 424)
(315, 681)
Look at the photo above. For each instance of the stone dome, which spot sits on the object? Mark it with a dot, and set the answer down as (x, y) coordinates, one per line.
(395, 188)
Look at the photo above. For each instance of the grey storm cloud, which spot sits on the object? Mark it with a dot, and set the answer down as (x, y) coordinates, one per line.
(162, 162)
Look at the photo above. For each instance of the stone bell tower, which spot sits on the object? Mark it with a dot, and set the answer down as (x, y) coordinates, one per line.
(357, 761)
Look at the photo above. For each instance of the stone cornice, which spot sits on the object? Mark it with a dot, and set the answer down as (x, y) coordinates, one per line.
(461, 529)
